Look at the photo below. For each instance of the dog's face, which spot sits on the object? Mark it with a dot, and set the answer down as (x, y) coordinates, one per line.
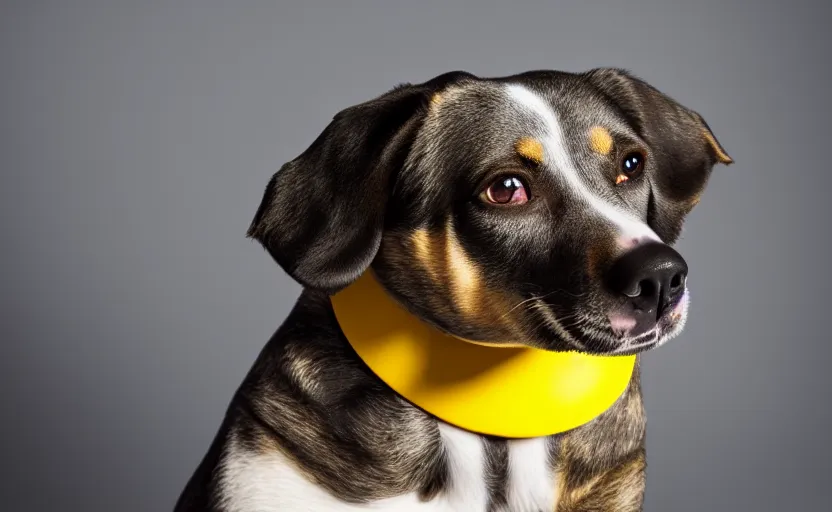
(533, 209)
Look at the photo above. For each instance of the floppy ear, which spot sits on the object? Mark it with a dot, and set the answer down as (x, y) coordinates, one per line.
(322, 213)
(682, 146)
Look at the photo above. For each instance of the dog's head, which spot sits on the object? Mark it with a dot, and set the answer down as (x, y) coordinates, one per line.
(536, 208)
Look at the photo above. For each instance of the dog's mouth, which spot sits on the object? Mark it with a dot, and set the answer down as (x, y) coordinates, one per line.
(617, 332)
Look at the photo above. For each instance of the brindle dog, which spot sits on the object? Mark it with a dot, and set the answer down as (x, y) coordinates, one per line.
(536, 208)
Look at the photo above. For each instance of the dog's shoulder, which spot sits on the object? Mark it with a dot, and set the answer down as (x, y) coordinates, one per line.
(312, 429)
(601, 465)
(264, 480)
(311, 422)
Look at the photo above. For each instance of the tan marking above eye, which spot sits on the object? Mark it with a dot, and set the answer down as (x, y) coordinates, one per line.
(600, 140)
(530, 149)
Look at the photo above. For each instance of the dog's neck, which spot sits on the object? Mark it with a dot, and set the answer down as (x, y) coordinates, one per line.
(513, 392)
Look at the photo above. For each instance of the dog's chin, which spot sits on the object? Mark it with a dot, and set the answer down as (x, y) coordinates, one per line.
(602, 338)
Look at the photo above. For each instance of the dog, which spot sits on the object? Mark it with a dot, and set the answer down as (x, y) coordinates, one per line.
(539, 208)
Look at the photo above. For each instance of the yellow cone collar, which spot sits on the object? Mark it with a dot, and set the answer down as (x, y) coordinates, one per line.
(514, 392)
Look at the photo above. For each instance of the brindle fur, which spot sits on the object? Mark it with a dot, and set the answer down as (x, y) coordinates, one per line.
(310, 396)
(388, 186)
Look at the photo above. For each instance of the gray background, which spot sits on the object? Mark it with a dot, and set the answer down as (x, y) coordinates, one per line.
(135, 143)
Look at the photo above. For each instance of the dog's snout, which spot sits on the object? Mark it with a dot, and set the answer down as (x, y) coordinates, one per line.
(652, 276)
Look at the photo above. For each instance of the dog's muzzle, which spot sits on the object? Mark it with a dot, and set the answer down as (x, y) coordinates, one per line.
(651, 280)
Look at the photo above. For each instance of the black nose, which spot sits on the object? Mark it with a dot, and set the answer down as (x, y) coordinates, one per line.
(651, 275)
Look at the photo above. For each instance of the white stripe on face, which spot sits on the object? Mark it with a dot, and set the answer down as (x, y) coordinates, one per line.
(631, 230)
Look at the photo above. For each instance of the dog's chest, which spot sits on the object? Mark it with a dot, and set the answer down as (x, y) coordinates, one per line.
(520, 480)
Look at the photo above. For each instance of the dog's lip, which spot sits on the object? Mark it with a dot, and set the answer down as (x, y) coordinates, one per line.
(655, 336)
(622, 323)
(603, 338)
(629, 348)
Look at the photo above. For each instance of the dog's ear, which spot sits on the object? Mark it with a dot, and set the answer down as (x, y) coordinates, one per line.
(681, 144)
(322, 214)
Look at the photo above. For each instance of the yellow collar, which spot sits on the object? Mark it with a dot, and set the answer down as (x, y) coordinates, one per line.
(514, 392)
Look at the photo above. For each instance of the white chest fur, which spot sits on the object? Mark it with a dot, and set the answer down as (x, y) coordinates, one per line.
(532, 483)
(271, 483)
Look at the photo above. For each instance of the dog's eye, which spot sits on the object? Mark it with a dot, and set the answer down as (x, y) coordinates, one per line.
(631, 166)
(506, 190)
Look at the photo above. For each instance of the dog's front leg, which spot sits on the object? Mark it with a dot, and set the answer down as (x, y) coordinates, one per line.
(617, 489)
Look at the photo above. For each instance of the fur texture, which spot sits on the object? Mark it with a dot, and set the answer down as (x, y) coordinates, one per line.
(403, 184)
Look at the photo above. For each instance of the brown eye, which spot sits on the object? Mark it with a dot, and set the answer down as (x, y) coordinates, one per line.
(631, 166)
(507, 190)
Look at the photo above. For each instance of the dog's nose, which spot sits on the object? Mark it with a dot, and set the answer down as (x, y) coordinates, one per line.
(652, 275)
